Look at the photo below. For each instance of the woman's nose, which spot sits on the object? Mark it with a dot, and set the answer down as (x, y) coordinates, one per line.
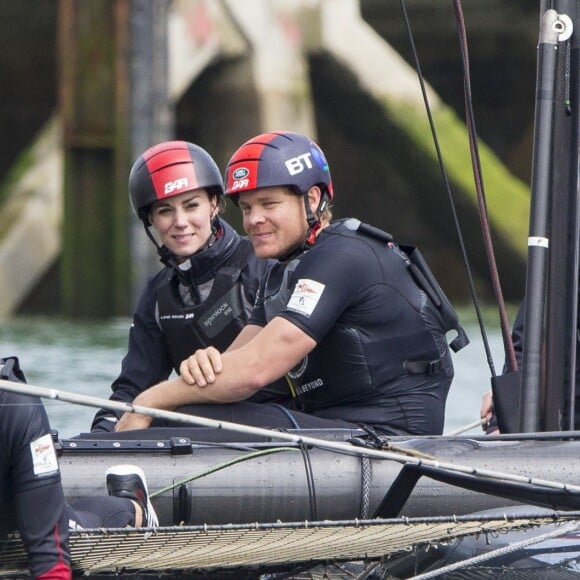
(180, 217)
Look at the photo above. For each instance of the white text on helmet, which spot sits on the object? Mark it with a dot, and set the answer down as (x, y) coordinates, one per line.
(299, 164)
(171, 186)
(240, 184)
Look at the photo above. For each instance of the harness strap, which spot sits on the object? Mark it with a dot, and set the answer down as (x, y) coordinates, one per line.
(423, 367)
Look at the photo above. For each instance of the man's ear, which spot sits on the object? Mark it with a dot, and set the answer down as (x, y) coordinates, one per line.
(314, 198)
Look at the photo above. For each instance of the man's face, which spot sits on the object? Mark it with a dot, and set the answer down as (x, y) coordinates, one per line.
(275, 220)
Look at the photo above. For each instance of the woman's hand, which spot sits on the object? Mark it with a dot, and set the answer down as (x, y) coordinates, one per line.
(201, 367)
(132, 421)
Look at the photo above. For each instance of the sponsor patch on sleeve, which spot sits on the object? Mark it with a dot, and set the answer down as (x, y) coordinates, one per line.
(44, 459)
(305, 297)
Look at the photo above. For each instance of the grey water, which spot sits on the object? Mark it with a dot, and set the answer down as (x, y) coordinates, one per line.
(84, 358)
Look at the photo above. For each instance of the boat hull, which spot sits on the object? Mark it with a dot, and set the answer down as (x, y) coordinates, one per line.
(219, 482)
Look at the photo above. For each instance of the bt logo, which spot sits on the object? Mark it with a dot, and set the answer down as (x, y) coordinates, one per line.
(299, 164)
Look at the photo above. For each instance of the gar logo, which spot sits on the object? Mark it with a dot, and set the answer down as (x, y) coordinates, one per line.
(240, 184)
(240, 178)
(176, 184)
(240, 173)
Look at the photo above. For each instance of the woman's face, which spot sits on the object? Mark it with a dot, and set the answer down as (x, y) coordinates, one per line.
(183, 221)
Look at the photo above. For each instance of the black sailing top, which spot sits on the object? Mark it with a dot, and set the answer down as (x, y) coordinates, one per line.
(381, 354)
(207, 304)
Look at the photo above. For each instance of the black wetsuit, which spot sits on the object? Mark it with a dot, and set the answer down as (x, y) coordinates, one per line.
(381, 357)
(173, 318)
(31, 495)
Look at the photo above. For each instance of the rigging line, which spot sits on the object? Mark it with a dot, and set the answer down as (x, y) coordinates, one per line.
(366, 477)
(3, 405)
(329, 445)
(310, 480)
(370, 569)
(466, 428)
(215, 468)
(509, 549)
(509, 350)
(445, 178)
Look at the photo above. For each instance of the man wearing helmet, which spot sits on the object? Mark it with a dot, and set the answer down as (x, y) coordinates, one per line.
(340, 315)
(205, 293)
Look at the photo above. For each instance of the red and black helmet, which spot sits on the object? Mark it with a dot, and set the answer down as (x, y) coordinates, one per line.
(169, 169)
(280, 158)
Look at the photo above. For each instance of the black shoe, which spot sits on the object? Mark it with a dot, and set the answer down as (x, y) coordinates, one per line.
(129, 481)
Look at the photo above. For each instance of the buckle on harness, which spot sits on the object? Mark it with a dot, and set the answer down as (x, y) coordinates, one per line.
(434, 367)
(423, 367)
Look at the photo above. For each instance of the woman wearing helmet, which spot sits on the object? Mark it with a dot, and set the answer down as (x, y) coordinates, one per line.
(206, 290)
(340, 314)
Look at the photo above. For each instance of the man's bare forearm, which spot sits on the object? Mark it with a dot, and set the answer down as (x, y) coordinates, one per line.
(174, 393)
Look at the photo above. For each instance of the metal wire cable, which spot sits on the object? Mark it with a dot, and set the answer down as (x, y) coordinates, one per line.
(477, 174)
(567, 528)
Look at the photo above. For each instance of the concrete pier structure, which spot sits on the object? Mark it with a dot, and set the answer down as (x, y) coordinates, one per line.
(239, 68)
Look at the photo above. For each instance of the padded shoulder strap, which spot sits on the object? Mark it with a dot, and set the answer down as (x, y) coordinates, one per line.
(424, 278)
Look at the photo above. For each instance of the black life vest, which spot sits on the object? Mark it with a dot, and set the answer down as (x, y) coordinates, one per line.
(350, 367)
(216, 321)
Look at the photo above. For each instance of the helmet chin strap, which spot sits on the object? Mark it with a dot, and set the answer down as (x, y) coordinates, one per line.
(313, 220)
(314, 226)
(169, 259)
(216, 229)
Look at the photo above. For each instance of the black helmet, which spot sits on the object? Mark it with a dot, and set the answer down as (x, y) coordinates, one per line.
(168, 169)
(280, 158)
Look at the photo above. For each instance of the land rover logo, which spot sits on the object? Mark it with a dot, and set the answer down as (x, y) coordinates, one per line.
(240, 173)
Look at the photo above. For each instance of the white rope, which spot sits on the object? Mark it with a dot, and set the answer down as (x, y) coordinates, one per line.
(467, 428)
(26, 389)
(567, 528)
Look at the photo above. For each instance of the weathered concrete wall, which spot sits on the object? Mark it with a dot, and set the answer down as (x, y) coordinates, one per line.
(31, 218)
(278, 64)
(27, 74)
